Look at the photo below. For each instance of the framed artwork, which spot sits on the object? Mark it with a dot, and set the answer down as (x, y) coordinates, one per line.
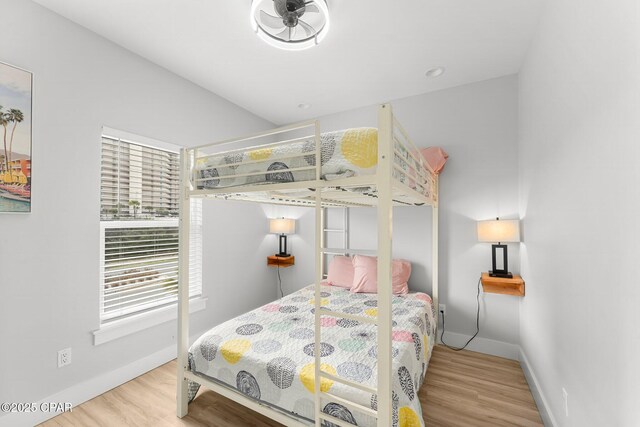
(16, 87)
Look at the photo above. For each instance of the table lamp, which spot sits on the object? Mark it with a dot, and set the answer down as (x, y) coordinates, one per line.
(282, 226)
(498, 232)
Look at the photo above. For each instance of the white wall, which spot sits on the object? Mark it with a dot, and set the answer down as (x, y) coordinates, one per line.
(579, 152)
(477, 125)
(49, 258)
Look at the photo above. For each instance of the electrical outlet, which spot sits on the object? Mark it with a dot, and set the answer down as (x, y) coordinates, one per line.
(443, 309)
(64, 357)
(565, 396)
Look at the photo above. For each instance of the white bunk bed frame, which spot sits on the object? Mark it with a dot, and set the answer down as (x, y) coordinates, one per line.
(327, 194)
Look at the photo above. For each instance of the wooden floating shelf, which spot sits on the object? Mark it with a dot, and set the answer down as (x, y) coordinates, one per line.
(279, 261)
(500, 285)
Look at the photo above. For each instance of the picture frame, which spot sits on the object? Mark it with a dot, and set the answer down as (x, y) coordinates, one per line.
(16, 130)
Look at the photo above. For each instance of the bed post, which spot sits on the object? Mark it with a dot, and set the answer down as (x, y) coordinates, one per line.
(434, 252)
(323, 238)
(385, 231)
(183, 285)
(319, 255)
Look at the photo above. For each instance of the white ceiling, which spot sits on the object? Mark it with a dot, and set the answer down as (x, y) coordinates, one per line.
(376, 50)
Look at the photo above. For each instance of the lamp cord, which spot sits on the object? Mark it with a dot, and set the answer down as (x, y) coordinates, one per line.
(477, 325)
(280, 282)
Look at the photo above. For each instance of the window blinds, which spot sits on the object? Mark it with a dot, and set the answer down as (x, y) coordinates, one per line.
(139, 230)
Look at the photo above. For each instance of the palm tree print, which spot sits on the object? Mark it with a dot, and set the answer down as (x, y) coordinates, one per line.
(4, 122)
(16, 117)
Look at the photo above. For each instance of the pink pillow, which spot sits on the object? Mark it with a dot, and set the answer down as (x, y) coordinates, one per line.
(340, 272)
(365, 275)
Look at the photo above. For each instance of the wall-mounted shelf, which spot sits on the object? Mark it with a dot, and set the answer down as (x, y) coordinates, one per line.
(280, 261)
(499, 285)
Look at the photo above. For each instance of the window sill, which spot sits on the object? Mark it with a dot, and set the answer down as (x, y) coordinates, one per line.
(143, 321)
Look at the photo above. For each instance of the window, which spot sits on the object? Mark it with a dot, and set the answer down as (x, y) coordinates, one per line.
(139, 195)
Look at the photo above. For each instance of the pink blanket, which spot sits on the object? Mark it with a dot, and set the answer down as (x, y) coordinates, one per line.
(436, 157)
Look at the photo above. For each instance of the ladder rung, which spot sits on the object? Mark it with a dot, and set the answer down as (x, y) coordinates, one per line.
(349, 404)
(371, 320)
(334, 420)
(340, 380)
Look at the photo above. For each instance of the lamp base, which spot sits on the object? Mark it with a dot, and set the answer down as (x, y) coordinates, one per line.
(283, 247)
(502, 275)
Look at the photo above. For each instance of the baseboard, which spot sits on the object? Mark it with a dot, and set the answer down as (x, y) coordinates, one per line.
(483, 345)
(536, 391)
(91, 388)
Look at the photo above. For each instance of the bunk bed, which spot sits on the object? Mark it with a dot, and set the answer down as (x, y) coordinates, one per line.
(299, 166)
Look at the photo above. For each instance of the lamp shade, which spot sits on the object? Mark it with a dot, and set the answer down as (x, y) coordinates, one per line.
(282, 226)
(499, 230)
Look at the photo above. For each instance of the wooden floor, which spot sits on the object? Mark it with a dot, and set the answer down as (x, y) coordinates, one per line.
(461, 389)
(465, 388)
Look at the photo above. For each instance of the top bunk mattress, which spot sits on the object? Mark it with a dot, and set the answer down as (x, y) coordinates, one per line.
(268, 353)
(345, 153)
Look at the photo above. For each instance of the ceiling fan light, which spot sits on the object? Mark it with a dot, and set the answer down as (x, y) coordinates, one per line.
(306, 43)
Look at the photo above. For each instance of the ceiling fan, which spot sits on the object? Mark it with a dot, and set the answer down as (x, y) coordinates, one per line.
(290, 24)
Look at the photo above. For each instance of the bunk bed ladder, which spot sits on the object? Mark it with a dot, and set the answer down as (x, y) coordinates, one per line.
(344, 231)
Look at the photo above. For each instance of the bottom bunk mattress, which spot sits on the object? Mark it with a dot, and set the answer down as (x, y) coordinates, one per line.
(268, 354)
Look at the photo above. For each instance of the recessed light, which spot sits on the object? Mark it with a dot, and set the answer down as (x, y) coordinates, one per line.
(304, 106)
(435, 72)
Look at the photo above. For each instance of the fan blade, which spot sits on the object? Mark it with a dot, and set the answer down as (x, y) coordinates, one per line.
(311, 7)
(307, 28)
(270, 21)
(284, 34)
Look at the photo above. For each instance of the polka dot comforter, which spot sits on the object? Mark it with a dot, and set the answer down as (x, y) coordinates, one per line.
(345, 153)
(268, 353)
